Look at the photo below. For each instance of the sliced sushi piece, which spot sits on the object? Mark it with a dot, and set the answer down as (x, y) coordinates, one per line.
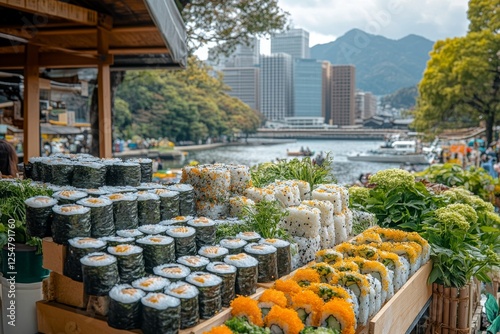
(378, 271)
(209, 286)
(117, 240)
(158, 249)
(234, 245)
(185, 239)
(249, 236)
(248, 308)
(186, 198)
(348, 220)
(151, 283)
(360, 286)
(288, 195)
(269, 298)
(212, 210)
(124, 307)
(124, 210)
(148, 208)
(246, 272)
(146, 165)
(89, 174)
(306, 276)
(341, 233)
(100, 273)
(326, 209)
(95, 192)
(205, 231)
(393, 263)
(259, 194)
(177, 221)
(324, 270)
(172, 271)
(237, 203)
(146, 186)
(227, 273)
(188, 295)
(101, 216)
(283, 252)
(213, 253)
(169, 203)
(338, 314)
(132, 233)
(332, 195)
(240, 178)
(39, 215)
(267, 257)
(130, 262)
(70, 221)
(329, 256)
(194, 262)
(302, 221)
(78, 248)
(69, 196)
(161, 313)
(289, 287)
(283, 320)
(308, 306)
(307, 248)
(152, 229)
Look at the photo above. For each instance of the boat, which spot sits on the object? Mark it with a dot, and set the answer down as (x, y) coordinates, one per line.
(398, 151)
(300, 153)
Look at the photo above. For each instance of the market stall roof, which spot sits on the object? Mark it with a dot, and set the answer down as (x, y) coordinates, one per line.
(59, 130)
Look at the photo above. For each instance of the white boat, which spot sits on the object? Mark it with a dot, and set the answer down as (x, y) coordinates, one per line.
(399, 151)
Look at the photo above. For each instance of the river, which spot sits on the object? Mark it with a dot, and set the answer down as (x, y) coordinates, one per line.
(344, 170)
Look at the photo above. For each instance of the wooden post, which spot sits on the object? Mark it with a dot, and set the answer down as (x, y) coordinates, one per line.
(104, 96)
(453, 310)
(446, 310)
(463, 308)
(439, 313)
(31, 142)
(434, 305)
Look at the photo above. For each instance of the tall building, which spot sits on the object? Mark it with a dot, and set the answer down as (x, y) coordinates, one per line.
(307, 88)
(326, 91)
(343, 99)
(276, 86)
(366, 105)
(244, 84)
(294, 42)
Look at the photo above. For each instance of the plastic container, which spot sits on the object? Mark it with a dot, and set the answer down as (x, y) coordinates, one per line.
(27, 264)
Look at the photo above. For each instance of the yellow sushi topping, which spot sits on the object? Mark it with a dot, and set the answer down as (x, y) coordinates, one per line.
(181, 289)
(222, 329)
(156, 298)
(192, 260)
(67, 193)
(181, 229)
(222, 267)
(238, 257)
(149, 281)
(85, 240)
(179, 218)
(202, 220)
(172, 270)
(288, 320)
(247, 307)
(202, 278)
(155, 239)
(343, 312)
(115, 196)
(123, 248)
(211, 250)
(306, 276)
(310, 302)
(99, 257)
(70, 208)
(94, 200)
(129, 291)
(273, 296)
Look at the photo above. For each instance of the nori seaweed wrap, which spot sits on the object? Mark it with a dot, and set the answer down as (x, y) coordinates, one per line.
(234, 245)
(246, 272)
(283, 253)
(153, 229)
(213, 253)
(89, 174)
(130, 262)
(124, 307)
(186, 198)
(78, 248)
(69, 196)
(188, 294)
(161, 313)
(116, 240)
(62, 172)
(249, 236)
(158, 249)
(194, 262)
(227, 273)
(108, 162)
(209, 286)
(70, 221)
(185, 242)
(100, 273)
(133, 233)
(176, 221)
(124, 211)
(148, 208)
(172, 271)
(268, 261)
(205, 231)
(151, 283)
(46, 170)
(36, 168)
(169, 203)
(124, 174)
(39, 215)
(146, 165)
(101, 216)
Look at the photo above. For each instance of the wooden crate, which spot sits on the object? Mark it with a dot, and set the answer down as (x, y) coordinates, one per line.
(54, 255)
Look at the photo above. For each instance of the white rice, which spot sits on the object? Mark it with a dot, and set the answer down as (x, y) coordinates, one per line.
(151, 283)
(140, 160)
(70, 194)
(182, 290)
(212, 210)
(221, 268)
(90, 164)
(94, 202)
(326, 209)
(348, 220)
(241, 260)
(278, 243)
(80, 242)
(327, 194)
(146, 195)
(124, 250)
(165, 192)
(172, 270)
(259, 194)
(201, 221)
(121, 197)
(249, 236)
(307, 248)
(340, 228)
(40, 202)
(325, 238)
(344, 193)
(98, 191)
(155, 240)
(286, 194)
(181, 187)
(160, 301)
(180, 231)
(237, 203)
(124, 189)
(302, 221)
(152, 229)
(98, 259)
(110, 161)
(70, 209)
(132, 233)
(126, 294)
(213, 251)
(259, 249)
(117, 239)
(231, 243)
(203, 279)
(193, 260)
(150, 185)
(332, 234)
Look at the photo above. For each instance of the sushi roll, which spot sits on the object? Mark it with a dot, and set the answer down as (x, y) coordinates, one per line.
(146, 186)
(62, 172)
(240, 178)
(308, 306)
(213, 253)
(283, 320)
(117, 240)
(329, 256)
(39, 215)
(148, 208)
(146, 166)
(205, 231)
(259, 194)
(161, 313)
(130, 262)
(328, 292)
(124, 307)
(89, 174)
(269, 298)
(151, 284)
(124, 174)
(330, 194)
(286, 193)
(78, 248)
(188, 295)
(249, 236)
(101, 216)
(338, 314)
(69, 196)
(237, 203)
(396, 264)
(70, 221)
(360, 286)
(268, 261)
(152, 229)
(133, 233)
(325, 208)
(185, 239)
(289, 287)
(45, 169)
(307, 248)
(324, 270)
(246, 272)
(158, 249)
(211, 183)
(227, 273)
(125, 213)
(346, 265)
(378, 271)
(306, 276)
(341, 234)
(284, 255)
(100, 273)
(177, 221)
(302, 221)
(209, 286)
(95, 192)
(169, 203)
(248, 308)
(35, 168)
(172, 271)
(233, 245)
(212, 210)
(186, 198)
(194, 262)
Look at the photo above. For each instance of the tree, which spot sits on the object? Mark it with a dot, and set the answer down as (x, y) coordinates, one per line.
(461, 84)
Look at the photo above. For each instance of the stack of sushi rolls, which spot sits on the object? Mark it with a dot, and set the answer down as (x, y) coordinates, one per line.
(327, 230)
(39, 215)
(45, 170)
(227, 273)
(101, 216)
(213, 253)
(132, 233)
(130, 261)
(288, 194)
(124, 307)
(259, 194)
(360, 286)
(172, 271)
(267, 257)
(249, 236)
(161, 313)
(146, 166)
(152, 229)
(108, 163)
(151, 283)
(70, 221)
(233, 245)
(158, 249)
(212, 210)
(237, 203)
(185, 239)
(78, 248)
(100, 273)
(118, 240)
(62, 172)
(124, 174)
(148, 208)
(89, 174)
(34, 167)
(397, 266)
(210, 182)
(186, 198)
(378, 271)
(246, 272)
(124, 210)
(169, 203)
(69, 196)
(331, 193)
(146, 186)
(177, 221)
(284, 255)
(209, 287)
(240, 178)
(188, 295)
(205, 231)
(194, 262)
(407, 251)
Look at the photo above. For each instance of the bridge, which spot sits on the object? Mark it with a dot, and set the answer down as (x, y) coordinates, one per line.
(338, 133)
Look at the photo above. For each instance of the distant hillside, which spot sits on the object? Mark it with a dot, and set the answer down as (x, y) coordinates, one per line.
(402, 98)
(382, 65)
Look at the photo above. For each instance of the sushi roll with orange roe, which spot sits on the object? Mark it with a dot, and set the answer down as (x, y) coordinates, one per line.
(338, 314)
(306, 276)
(327, 292)
(283, 321)
(269, 298)
(248, 308)
(222, 329)
(308, 305)
(289, 287)
(328, 256)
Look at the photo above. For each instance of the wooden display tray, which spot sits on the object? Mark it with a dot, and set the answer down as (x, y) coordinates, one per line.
(55, 318)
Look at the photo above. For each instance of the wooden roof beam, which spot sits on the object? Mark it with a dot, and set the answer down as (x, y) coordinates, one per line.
(55, 60)
(85, 30)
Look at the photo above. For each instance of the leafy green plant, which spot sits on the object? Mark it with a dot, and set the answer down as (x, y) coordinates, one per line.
(243, 326)
(264, 218)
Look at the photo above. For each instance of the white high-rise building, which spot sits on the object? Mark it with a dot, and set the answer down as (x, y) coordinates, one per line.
(244, 84)
(276, 86)
(294, 42)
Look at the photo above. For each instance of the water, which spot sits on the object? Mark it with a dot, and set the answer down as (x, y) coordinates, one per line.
(346, 172)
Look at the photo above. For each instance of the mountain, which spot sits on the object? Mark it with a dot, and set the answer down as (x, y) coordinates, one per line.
(382, 65)
(405, 98)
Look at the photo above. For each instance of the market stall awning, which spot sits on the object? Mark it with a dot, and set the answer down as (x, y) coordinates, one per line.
(59, 130)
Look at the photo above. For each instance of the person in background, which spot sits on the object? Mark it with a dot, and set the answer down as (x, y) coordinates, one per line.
(8, 160)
